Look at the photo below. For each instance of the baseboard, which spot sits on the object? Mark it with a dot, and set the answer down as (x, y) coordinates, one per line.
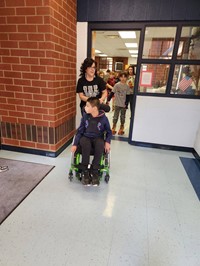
(161, 146)
(135, 143)
(119, 138)
(36, 151)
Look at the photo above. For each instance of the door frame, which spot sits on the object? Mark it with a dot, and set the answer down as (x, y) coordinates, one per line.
(121, 26)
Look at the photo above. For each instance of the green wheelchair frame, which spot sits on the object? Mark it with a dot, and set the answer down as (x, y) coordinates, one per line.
(104, 166)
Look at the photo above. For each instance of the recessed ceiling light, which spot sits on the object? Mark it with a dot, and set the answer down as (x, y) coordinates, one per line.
(133, 51)
(97, 51)
(127, 34)
(131, 45)
(103, 55)
(134, 55)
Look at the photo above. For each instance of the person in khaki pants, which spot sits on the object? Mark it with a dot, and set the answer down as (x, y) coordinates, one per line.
(122, 96)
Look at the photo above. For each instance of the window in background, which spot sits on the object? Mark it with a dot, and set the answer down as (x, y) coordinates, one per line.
(159, 42)
(190, 39)
(119, 66)
(186, 80)
(153, 78)
(105, 63)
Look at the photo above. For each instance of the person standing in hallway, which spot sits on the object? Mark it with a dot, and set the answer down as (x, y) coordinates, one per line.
(122, 95)
(109, 86)
(90, 84)
(130, 82)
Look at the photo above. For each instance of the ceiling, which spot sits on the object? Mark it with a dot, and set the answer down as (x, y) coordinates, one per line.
(111, 44)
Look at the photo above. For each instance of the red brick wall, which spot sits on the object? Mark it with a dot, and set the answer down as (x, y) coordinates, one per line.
(37, 72)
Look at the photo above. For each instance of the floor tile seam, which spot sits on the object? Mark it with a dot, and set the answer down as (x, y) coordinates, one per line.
(113, 240)
(161, 209)
(180, 223)
(101, 246)
(182, 235)
(110, 249)
(148, 241)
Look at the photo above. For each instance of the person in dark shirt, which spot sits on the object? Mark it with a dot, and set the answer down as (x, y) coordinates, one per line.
(94, 133)
(130, 82)
(110, 84)
(89, 83)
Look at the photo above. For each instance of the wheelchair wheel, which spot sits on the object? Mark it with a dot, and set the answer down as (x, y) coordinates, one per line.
(107, 159)
(107, 177)
(70, 176)
(78, 175)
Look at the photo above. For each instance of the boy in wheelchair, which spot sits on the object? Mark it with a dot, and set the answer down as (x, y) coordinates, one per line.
(94, 133)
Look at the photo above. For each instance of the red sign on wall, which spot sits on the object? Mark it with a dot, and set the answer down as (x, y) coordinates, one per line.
(146, 78)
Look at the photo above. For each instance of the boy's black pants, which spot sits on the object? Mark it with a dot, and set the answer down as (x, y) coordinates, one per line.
(89, 144)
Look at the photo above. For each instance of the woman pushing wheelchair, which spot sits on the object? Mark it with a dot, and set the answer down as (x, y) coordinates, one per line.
(94, 134)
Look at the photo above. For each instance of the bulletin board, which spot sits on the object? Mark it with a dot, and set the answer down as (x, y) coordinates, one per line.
(146, 78)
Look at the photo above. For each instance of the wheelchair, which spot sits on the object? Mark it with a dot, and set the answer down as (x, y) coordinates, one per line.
(76, 160)
(104, 162)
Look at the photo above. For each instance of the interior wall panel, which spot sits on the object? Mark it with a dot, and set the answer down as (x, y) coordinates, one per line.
(137, 10)
(166, 121)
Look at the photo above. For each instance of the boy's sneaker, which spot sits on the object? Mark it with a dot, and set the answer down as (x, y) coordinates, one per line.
(95, 178)
(121, 130)
(85, 178)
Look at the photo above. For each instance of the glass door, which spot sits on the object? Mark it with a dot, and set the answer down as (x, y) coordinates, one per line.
(115, 52)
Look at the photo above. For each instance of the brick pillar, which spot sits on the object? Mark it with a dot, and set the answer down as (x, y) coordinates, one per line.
(37, 74)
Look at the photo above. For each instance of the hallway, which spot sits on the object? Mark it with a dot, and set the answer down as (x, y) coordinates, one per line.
(148, 214)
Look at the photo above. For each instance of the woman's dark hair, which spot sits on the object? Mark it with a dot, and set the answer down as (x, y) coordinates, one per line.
(133, 67)
(88, 62)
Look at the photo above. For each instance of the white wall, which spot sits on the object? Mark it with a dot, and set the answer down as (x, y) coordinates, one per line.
(166, 121)
(197, 141)
(82, 35)
(132, 61)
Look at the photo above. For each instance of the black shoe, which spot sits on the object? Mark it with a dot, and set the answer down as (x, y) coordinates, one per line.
(95, 178)
(3, 168)
(85, 178)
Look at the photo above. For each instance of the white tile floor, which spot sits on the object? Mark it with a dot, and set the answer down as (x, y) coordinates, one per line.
(148, 214)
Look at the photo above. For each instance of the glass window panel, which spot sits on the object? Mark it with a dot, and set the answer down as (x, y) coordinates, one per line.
(186, 80)
(159, 42)
(189, 46)
(104, 63)
(153, 78)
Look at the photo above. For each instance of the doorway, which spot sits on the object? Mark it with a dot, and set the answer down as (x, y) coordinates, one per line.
(116, 51)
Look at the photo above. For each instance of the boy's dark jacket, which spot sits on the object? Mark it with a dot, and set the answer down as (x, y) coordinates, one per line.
(94, 127)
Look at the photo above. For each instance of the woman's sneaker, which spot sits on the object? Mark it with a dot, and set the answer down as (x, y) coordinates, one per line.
(85, 178)
(95, 178)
